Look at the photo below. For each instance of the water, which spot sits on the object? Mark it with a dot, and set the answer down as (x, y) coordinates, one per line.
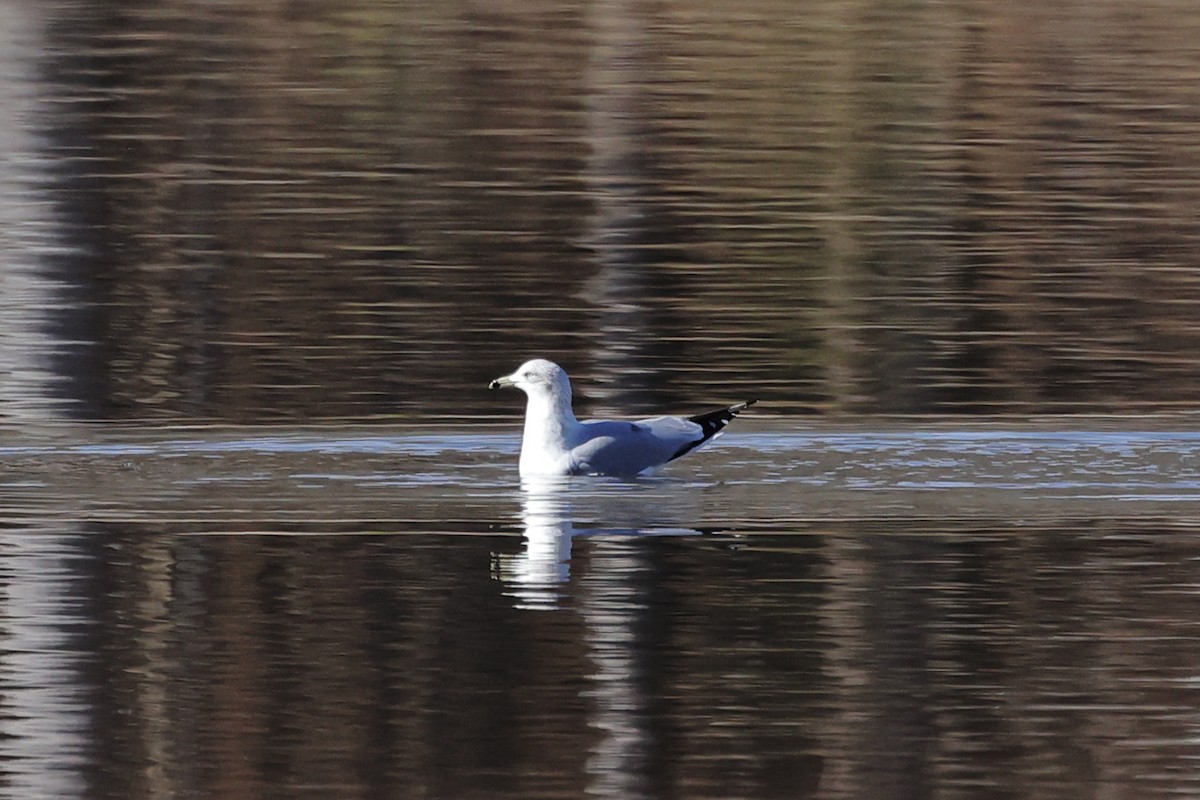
(260, 529)
(236, 213)
(815, 611)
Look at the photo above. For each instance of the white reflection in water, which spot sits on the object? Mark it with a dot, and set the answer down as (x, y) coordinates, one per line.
(535, 574)
(28, 295)
(612, 605)
(45, 718)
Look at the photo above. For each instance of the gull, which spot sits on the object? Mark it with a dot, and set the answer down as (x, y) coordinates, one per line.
(555, 443)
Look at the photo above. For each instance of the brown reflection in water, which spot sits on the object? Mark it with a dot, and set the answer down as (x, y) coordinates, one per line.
(1076, 175)
(315, 665)
(1040, 664)
(896, 659)
(365, 210)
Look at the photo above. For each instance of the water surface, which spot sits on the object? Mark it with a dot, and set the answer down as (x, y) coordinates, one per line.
(904, 610)
(256, 213)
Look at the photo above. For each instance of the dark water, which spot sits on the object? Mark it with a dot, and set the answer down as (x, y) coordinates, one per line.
(261, 533)
(284, 211)
(796, 612)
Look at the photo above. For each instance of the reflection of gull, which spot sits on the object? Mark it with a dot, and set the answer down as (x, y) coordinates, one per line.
(555, 443)
(536, 573)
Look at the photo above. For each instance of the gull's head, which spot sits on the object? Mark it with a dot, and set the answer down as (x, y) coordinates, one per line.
(537, 378)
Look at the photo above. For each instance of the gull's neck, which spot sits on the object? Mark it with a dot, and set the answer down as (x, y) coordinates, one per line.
(549, 422)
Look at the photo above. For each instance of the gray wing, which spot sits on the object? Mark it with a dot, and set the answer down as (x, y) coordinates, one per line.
(627, 448)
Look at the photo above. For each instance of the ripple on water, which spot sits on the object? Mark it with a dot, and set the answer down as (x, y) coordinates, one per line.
(752, 476)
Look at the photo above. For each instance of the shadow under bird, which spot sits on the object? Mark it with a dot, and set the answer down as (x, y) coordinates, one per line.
(555, 443)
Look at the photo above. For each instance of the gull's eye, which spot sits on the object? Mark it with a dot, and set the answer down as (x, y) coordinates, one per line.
(528, 375)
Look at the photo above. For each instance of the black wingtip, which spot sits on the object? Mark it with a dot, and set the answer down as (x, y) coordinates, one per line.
(712, 423)
(721, 417)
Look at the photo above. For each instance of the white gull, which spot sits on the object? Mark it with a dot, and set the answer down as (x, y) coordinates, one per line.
(555, 443)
